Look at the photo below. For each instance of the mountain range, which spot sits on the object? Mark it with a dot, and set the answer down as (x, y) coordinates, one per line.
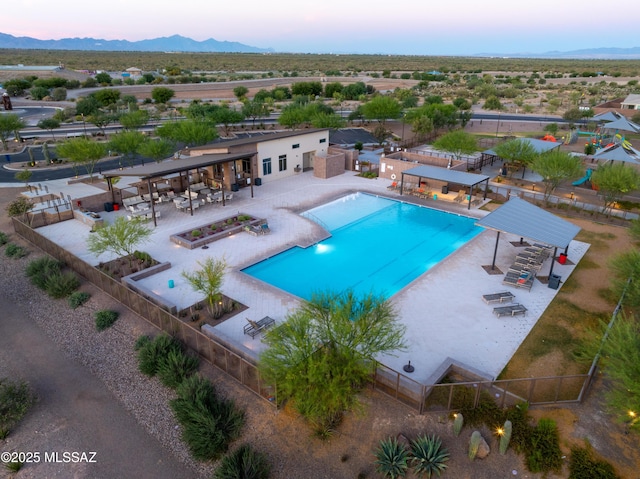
(178, 43)
(175, 43)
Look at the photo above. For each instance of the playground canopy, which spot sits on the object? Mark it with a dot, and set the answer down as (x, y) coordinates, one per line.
(619, 152)
(622, 124)
(606, 116)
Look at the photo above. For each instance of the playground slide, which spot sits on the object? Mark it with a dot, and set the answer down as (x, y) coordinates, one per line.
(584, 179)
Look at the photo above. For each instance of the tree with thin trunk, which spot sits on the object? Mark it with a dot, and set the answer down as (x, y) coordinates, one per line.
(613, 181)
(82, 151)
(382, 108)
(127, 143)
(517, 154)
(323, 354)
(121, 238)
(458, 143)
(10, 124)
(157, 149)
(189, 132)
(208, 280)
(556, 167)
(24, 175)
(49, 124)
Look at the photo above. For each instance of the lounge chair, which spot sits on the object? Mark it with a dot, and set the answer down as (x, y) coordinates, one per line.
(462, 195)
(523, 280)
(255, 327)
(510, 310)
(393, 186)
(476, 200)
(502, 297)
(521, 268)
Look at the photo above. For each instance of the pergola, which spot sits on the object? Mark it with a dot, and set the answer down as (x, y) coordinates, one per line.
(469, 180)
(153, 171)
(523, 219)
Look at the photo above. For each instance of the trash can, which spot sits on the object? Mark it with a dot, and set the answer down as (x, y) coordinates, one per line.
(171, 283)
(445, 189)
(258, 181)
(562, 259)
(235, 187)
(554, 281)
(108, 206)
(116, 207)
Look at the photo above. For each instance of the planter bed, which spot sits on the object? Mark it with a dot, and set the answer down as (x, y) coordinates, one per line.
(214, 231)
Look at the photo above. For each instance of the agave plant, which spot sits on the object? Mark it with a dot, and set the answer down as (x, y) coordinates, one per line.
(391, 458)
(428, 455)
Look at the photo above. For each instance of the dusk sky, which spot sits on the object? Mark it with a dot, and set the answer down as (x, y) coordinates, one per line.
(410, 27)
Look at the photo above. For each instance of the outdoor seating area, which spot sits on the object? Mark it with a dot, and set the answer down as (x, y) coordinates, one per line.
(526, 264)
(256, 327)
(257, 230)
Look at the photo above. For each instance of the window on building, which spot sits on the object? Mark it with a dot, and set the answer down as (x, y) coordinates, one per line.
(323, 140)
(266, 166)
(282, 162)
(297, 145)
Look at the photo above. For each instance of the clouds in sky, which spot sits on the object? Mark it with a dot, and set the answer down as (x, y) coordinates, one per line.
(413, 27)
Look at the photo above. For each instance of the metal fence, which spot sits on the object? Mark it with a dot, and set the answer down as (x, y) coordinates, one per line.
(420, 397)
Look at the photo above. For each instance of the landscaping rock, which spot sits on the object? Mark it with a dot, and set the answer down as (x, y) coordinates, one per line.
(483, 449)
(403, 440)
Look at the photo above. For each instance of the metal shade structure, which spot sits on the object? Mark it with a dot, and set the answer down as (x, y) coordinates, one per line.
(469, 180)
(619, 152)
(523, 219)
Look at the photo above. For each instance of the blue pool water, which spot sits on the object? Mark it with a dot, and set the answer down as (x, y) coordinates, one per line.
(376, 244)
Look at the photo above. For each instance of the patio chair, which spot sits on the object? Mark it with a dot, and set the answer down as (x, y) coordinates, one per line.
(502, 297)
(255, 327)
(510, 310)
(522, 280)
(228, 196)
(462, 195)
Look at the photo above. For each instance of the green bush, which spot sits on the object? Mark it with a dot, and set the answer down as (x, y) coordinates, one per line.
(391, 458)
(209, 423)
(60, 285)
(13, 466)
(175, 367)
(544, 449)
(243, 463)
(14, 251)
(15, 400)
(4, 238)
(428, 455)
(583, 465)
(151, 352)
(78, 298)
(39, 270)
(141, 342)
(105, 319)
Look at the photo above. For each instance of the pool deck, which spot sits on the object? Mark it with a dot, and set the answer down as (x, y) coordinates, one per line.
(443, 310)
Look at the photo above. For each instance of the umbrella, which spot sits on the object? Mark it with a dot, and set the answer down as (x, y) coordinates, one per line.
(619, 152)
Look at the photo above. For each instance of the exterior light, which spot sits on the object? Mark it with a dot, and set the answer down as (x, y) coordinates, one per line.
(499, 431)
(632, 414)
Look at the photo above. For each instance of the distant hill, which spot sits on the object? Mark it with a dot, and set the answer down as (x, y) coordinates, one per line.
(175, 43)
(612, 53)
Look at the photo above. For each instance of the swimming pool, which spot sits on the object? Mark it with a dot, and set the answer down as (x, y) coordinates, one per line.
(376, 245)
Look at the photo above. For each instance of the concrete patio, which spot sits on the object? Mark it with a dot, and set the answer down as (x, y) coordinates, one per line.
(443, 310)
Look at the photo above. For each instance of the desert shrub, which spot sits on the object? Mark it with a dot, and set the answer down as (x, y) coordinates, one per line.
(39, 270)
(583, 465)
(141, 342)
(77, 299)
(544, 452)
(175, 367)
(151, 352)
(105, 319)
(391, 458)
(14, 251)
(428, 455)
(142, 256)
(209, 423)
(4, 238)
(60, 285)
(13, 466)
(243, 463)
(15, 400)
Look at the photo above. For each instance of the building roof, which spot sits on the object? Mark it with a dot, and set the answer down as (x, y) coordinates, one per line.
(258, 138)
(350, 136)
(632, 99)
(444, 174)
(157, 170)
(523, 219)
